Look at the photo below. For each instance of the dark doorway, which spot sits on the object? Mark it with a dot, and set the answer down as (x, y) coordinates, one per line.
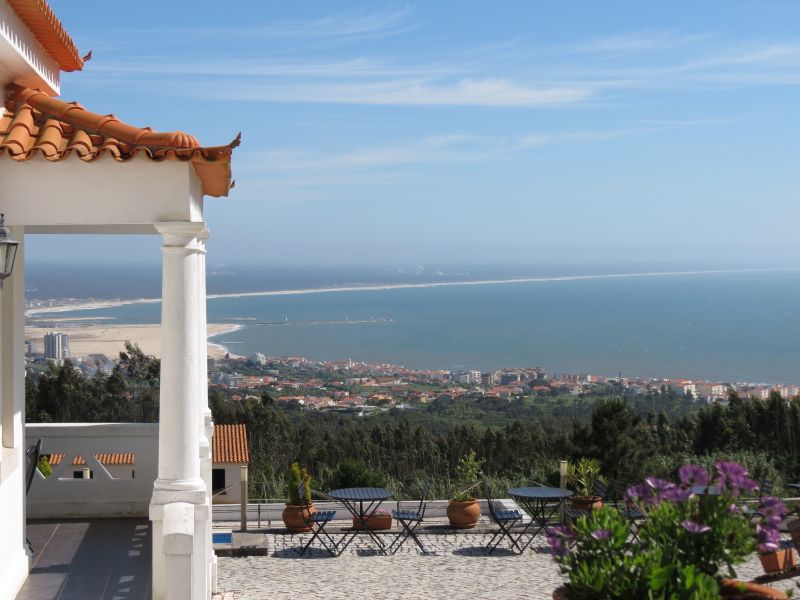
(217, 480)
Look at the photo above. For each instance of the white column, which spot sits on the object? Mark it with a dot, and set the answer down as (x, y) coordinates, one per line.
(179, 474)
(13, 557)
(206, 422)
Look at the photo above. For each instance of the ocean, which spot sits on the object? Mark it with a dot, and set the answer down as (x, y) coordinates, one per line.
(727, 326)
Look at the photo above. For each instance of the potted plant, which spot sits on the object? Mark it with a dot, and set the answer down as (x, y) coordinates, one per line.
(583, 477)
(299, 505)
(463, 510)
(774, 558)
(687, 542)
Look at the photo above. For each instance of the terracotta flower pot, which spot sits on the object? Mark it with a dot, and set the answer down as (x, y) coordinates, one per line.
(377, 520)
(794, 529)
(586, 503)
(560, 593)
(778, 561)
(733, 589)
(463, 515)
(295, 515)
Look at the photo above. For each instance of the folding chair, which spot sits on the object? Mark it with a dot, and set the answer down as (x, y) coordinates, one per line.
(505, 520)
(633, 514)
(409, 521)
(765, 488)
(317, 521)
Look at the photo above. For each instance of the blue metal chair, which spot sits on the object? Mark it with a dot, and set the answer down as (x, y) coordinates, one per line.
(409, 521)
(505, 520)
(317, 521)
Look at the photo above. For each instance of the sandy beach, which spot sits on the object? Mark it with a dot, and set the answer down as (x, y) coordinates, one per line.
(110, 339)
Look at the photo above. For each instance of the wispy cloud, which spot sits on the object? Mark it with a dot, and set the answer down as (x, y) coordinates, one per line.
(638, 41)
(454, 147)
(413, 92)
(349, 25)
(312, 61)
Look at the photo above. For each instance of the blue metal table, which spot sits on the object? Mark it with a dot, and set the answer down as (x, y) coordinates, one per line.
(705, 490)
(535, 501)
(361, 502)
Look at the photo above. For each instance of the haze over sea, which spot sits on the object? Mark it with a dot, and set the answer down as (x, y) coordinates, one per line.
(731, 325)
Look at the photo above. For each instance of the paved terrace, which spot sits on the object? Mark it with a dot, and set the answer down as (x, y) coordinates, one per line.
(266, 566)
(109, 559)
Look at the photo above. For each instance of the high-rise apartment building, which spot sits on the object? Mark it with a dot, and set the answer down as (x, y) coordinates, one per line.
(56, 346)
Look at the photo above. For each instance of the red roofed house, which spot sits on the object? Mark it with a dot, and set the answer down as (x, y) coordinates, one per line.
(65, 169)
(230, 453)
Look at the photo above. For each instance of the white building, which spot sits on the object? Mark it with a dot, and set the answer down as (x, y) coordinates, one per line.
(230, 453)
(467, 377)
(56, 346)
(67, 170)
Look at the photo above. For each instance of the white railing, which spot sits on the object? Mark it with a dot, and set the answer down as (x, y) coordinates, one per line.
(111, 491)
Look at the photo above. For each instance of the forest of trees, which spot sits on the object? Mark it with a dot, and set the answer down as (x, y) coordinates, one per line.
(517, 442)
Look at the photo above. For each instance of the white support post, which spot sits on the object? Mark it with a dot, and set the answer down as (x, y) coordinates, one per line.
(178, 545)
(13, 555)
(179, 466)
(244, 498)
(206, 420)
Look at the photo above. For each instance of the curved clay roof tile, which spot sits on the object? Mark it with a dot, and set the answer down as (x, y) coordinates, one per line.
(28, 126)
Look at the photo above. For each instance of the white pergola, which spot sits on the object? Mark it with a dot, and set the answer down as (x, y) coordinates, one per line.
(66, 170)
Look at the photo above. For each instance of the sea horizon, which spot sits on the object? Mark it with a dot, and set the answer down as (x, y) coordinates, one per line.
(710, 324)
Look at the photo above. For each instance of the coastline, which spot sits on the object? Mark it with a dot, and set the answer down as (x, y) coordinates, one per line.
(100, 304)
(109, 339)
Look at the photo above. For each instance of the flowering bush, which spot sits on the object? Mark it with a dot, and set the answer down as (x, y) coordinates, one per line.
(693, 531)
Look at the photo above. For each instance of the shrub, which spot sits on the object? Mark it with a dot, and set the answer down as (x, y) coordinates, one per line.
(687, 540)
(299, 491)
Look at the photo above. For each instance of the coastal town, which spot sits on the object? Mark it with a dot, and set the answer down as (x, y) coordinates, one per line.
(363, 388)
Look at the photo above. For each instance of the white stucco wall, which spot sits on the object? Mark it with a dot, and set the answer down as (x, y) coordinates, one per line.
(233, 475)
(59, 495)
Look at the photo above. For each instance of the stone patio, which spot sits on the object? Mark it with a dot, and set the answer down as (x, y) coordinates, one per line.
(269, 567)
(109, 559)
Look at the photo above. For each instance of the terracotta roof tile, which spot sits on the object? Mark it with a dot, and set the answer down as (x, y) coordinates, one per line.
(55, 459)
(43, 23)
(229, 444)
(104, 458)
(33, 123)
(116, 458)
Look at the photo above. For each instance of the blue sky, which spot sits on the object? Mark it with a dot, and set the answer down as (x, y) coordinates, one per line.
(461, 132)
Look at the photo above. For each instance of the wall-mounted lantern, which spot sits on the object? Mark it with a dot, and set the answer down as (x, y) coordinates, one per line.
(8, 250)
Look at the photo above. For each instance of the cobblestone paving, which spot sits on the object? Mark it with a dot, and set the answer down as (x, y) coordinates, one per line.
(456, 568)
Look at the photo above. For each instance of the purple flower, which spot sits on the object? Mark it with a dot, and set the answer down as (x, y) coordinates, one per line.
(693, 475)
(772, 506)
(637, 492)
(768, 538)
(693, 527)
(730, 470)
(677, 494)
(743, 484)
(732, 477)
(659, 486)
(601, 534)
(559, 538)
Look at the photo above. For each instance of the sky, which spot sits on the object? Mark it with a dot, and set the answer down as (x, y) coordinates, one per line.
(463, 132)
